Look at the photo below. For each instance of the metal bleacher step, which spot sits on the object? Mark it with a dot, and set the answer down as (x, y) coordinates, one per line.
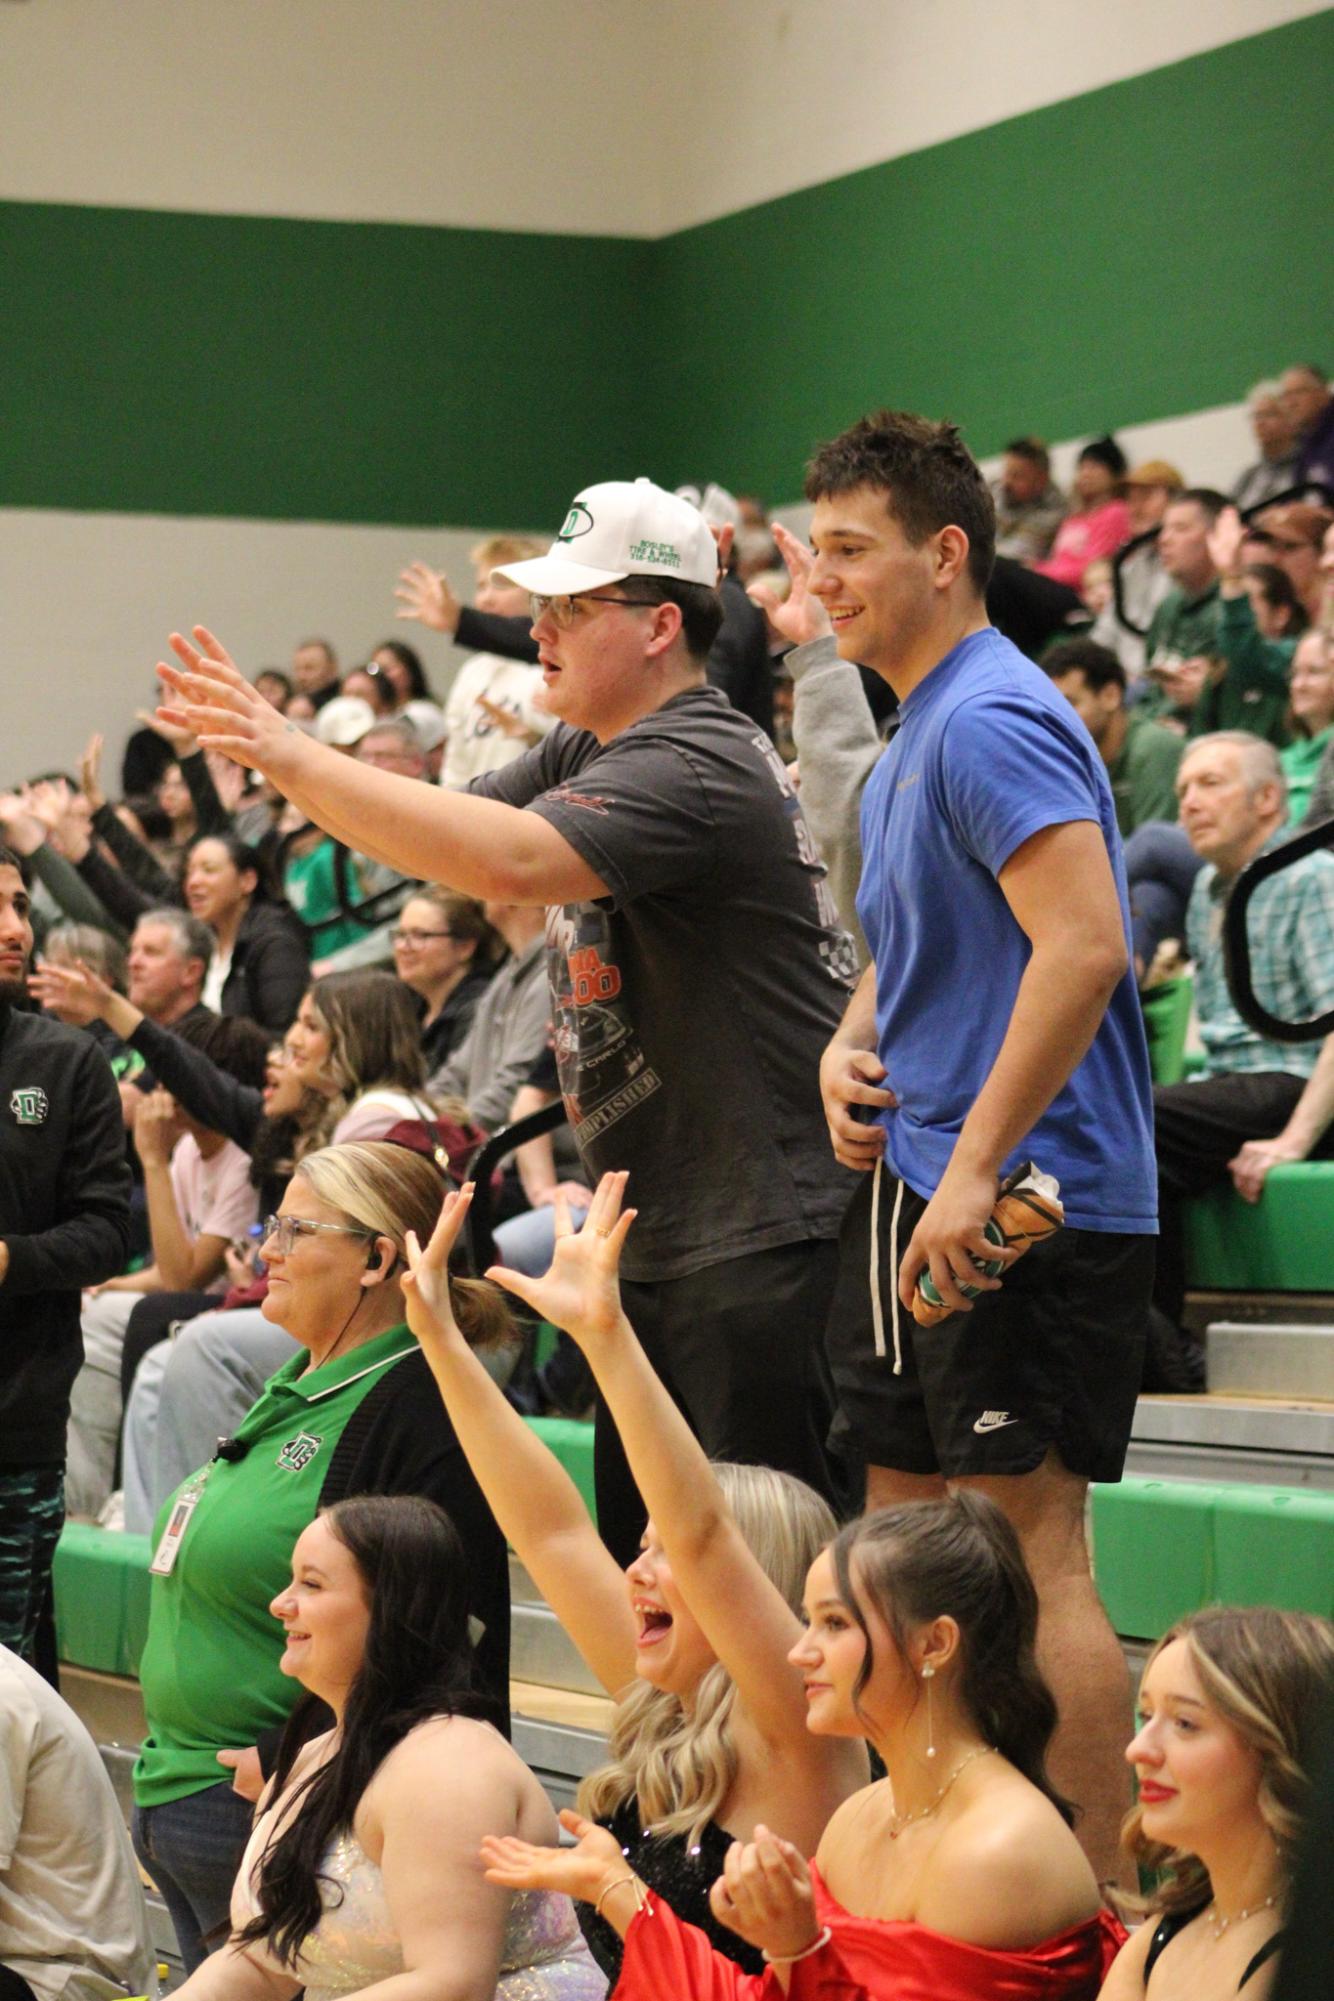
(540, 1650)
(1284, 1358)
(1256, 1439)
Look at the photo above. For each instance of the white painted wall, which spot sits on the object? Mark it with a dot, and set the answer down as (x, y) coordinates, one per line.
(586, 116)
(88, 600)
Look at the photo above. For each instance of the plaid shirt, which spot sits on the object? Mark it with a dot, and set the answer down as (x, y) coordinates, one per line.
(1291, 927)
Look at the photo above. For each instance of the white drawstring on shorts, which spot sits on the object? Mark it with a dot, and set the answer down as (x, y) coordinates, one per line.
(877, 1303)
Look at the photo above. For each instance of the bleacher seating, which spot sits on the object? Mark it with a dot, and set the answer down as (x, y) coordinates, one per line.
(1282, 1243)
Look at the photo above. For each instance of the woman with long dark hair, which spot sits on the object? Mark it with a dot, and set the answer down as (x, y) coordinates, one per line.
(362, 1865)
(261, 960)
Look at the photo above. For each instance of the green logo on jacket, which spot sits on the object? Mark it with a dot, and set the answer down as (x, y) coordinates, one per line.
(298, 1452)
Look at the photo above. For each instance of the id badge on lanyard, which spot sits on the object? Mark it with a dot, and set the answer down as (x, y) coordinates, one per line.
(164, 1556)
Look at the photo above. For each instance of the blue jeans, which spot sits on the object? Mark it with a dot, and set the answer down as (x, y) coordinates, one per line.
(1161, 867)
(192, 1849)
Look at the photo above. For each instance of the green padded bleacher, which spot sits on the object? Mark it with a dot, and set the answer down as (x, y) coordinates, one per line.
(1282, 1243)
(572, 1442)
(1162, 1548)
(100, 1582)
(1166, 1010)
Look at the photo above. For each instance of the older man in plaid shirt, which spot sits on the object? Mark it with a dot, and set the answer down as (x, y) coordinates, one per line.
(1258, 1102)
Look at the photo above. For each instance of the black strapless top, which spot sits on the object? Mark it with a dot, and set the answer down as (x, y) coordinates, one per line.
(681, 1876)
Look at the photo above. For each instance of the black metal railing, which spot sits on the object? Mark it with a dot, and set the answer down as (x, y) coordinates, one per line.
(1237, 940)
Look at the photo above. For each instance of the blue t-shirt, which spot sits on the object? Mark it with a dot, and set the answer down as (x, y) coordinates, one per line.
(987, 754)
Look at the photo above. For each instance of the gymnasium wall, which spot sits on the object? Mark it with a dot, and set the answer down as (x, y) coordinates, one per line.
(362, 272)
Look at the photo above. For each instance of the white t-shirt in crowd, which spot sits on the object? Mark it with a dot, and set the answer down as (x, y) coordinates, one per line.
(72, 1917)
(214, 1197)
(477, 743)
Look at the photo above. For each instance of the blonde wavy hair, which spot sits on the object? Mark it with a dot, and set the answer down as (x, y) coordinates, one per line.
(679, 1767)
(1270, 1676)
(388, 1190)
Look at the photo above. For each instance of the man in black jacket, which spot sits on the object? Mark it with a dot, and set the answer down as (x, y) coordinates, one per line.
(64, 1224)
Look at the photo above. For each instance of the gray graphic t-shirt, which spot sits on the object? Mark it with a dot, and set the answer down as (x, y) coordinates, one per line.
(690, 1007)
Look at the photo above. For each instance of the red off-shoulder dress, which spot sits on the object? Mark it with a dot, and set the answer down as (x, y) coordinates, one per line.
(868, 1959)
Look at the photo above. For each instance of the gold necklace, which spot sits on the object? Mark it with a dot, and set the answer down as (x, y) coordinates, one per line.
(899, 1821)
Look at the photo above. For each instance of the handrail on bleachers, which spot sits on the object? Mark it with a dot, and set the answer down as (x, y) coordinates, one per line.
(1237, 943)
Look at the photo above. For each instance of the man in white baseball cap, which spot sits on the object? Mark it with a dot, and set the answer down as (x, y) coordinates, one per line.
(696, 961)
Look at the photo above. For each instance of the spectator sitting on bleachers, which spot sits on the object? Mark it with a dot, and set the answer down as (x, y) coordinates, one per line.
(1100, 522)
(1294, 535)
(508, 1031)
(1311, 685)
(709, 1733)
(261, 961)
(392, 744)
(275, 687)
(1140, 755)
(350, 1411)
(200, 1198)
(1143, 581)
(1258, 621)
(1308, 404)
(1228, 1704)
(315, 671)
(68, 945)
(447, 953)
(402, 667)
(1030, 507)
(1183, 632)
(73, 1925)
(1259, 1102)
(168, 962)
(371, 685)
(1276, 468)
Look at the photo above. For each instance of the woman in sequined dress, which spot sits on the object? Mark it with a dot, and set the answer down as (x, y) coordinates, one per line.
(709, 1733)
(362, 1871)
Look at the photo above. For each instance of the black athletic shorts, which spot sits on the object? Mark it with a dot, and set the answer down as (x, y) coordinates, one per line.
(1053, 1359)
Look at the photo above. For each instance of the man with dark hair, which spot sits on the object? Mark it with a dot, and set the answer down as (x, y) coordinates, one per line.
(315, 670)
(997, 1023)
(1183, 633)
(1030, 507)
(695, 960)
(1141, 756)
(64, 1223)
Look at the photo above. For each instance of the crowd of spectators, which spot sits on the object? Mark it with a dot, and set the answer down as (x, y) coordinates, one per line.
(275, 1039)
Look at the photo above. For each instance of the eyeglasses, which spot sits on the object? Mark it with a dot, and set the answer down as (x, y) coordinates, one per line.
(564, 608)
(284, 1231)
(416, 938)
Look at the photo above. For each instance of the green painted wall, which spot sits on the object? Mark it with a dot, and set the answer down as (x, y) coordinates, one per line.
(230, 365)
(1137, 252)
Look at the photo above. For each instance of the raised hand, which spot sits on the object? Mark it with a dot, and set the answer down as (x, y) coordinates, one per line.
(764, 1895)
(182, 740)
(209, 697)
(1224, 542)
(581, 1292)
(80, 994)
(800, 616)
(90, 766)
(424, 594)
(429, 1308)
(587, 1871)
(157, 1127)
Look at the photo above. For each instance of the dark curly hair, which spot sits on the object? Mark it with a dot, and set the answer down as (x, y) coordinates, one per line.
(927, 474)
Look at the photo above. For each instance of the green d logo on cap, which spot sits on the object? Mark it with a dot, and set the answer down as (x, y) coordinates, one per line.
(577, 522)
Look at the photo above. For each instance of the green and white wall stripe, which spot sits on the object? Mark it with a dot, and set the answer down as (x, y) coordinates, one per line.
(351, 364)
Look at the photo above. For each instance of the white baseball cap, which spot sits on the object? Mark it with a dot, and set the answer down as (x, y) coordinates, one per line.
(622, 528)
(344, 721)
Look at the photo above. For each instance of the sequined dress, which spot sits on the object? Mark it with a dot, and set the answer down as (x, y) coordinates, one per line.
(543, 1957)
(682, 1875)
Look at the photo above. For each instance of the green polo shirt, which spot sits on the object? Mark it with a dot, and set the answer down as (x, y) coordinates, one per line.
(1182, 628)
(209, 1671)
(1143, 774)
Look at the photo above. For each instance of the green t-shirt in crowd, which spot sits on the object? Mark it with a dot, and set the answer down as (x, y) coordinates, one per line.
(1182, 628)
(209, 1672)
(310, 884)
(1143, 774)
(1301, 760)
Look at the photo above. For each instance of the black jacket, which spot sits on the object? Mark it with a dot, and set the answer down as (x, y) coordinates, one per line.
(270, 966)
(64, 1216)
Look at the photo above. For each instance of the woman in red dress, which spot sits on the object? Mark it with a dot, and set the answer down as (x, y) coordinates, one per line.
(957, 1875)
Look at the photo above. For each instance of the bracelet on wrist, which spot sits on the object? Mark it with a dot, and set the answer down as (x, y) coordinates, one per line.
(619, 1883)
(791, 1958)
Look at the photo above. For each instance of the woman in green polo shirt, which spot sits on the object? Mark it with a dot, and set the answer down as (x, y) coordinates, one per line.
(354, 1411)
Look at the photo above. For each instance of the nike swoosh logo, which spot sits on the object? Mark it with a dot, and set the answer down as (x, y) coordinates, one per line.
(994, 1424)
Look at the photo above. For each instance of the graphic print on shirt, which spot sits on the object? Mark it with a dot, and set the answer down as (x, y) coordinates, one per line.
(600, 1061)
(837, 951)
